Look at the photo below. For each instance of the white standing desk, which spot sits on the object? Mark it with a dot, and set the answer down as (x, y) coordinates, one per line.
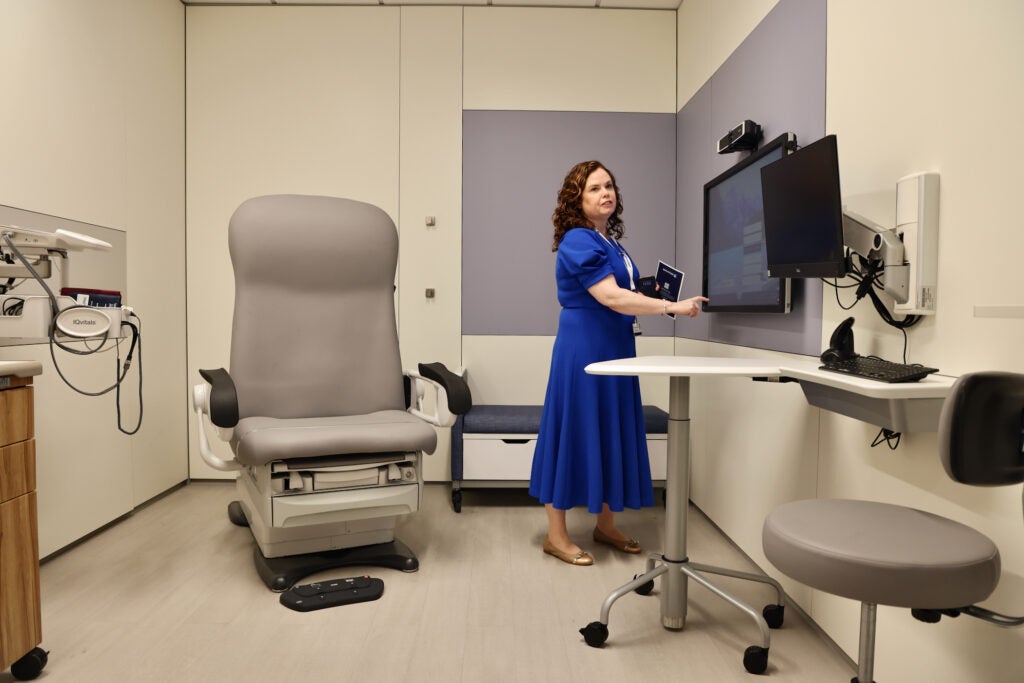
(902, 407)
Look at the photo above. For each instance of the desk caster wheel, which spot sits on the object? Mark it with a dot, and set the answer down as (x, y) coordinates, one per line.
(457, 500)
(773, 615)
(644, 589)
(595, 633)
(29, 666)
(755, 659)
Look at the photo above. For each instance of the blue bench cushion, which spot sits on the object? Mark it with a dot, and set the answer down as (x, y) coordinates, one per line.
(502, 420)
(519, 419)
(499, 419)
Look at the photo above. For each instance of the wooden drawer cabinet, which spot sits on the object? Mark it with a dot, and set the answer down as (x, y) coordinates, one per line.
(20, 619)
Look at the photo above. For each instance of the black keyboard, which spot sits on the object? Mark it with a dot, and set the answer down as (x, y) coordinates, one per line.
(878, 369)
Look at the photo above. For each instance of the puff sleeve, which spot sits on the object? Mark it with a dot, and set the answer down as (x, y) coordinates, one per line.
(582, 256)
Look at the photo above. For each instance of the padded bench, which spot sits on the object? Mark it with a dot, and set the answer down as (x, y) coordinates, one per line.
(492, 446)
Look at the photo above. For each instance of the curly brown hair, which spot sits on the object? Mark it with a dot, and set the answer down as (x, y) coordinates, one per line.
(569, 212)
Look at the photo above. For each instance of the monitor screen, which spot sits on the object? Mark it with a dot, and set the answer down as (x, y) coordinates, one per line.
(803, 213)
(736, 275)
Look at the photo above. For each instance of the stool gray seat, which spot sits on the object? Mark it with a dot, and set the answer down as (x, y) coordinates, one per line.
(883, 554)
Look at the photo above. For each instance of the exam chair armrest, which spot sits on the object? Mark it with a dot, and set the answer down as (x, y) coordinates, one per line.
(218, 400)
(451, 393)
(223, 398)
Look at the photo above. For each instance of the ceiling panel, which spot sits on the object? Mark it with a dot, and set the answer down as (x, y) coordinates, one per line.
(471, 3)
(326, 2)
(543, 3)
(603, 4)
(641, 4)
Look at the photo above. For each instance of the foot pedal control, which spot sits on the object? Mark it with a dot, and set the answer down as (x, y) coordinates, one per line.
(331, 593)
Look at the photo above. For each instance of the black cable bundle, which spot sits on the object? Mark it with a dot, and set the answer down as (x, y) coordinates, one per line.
(120, 372)
(867, 276)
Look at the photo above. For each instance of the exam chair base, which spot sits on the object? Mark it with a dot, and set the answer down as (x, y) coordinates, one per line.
(281, 573)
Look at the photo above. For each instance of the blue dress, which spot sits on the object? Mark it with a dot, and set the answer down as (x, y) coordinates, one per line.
(591, 447)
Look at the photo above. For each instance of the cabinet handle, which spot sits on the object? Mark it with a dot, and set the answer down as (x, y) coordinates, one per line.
(515, 441)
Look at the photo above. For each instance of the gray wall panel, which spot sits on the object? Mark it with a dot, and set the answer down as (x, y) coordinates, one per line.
(777, 78)
(693, 168)
(513, 166)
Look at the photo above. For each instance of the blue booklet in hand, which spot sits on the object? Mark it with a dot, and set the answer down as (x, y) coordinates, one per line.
(667, 284)
(670, 283)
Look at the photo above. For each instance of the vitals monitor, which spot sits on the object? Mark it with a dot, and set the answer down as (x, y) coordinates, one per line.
(736, 277)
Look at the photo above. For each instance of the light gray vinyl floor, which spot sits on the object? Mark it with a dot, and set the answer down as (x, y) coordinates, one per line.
(170, 594)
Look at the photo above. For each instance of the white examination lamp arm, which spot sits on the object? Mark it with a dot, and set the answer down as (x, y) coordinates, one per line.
(442, 416)
(873, 241)
(201, 404)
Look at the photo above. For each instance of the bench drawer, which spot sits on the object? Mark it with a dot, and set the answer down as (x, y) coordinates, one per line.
(657, 450)
(509, 457)
(498, 457)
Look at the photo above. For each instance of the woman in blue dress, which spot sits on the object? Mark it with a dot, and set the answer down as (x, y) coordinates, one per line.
(592, 447)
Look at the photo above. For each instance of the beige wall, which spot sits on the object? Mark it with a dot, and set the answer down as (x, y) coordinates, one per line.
(97, 134)
(261, 121)
(941, 71)
(912, 86)
(708, 32)
(539, 59)
(92, 129)
(430, 184)
(298, 100)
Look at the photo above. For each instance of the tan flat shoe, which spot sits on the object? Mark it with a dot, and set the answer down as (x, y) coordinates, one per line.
(629, 545)
(582, 558)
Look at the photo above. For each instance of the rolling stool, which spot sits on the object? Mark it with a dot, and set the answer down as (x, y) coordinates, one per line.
(882, 554)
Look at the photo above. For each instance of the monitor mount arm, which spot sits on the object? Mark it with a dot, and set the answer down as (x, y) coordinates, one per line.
(876, 243)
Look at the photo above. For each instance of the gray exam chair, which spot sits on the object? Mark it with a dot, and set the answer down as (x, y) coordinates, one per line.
(325, 429)
(882, 554)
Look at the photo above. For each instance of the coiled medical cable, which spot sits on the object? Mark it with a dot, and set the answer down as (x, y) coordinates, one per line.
(119, 373)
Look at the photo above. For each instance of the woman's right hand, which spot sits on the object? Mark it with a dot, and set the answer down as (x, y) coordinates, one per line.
(688, 307)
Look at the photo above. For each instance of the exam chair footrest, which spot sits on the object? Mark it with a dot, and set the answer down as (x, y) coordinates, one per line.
(331, 593)
(281, 573)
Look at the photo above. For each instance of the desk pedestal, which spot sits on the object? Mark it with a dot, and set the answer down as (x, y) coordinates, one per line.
(673, 564)
(677, 498)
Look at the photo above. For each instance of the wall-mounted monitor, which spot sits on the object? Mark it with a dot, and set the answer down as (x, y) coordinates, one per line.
(736, 278)
(803, 213)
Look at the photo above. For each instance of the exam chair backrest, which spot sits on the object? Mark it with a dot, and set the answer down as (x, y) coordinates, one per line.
(314, 332)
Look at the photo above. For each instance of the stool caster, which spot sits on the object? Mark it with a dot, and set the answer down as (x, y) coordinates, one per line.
(644, 589)
(595, 633)
(755, 659)
(774, 615)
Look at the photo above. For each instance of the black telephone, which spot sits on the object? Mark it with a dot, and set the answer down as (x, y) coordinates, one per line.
(840, 346)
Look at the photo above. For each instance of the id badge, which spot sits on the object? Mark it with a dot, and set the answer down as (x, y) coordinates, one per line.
(636, 327)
